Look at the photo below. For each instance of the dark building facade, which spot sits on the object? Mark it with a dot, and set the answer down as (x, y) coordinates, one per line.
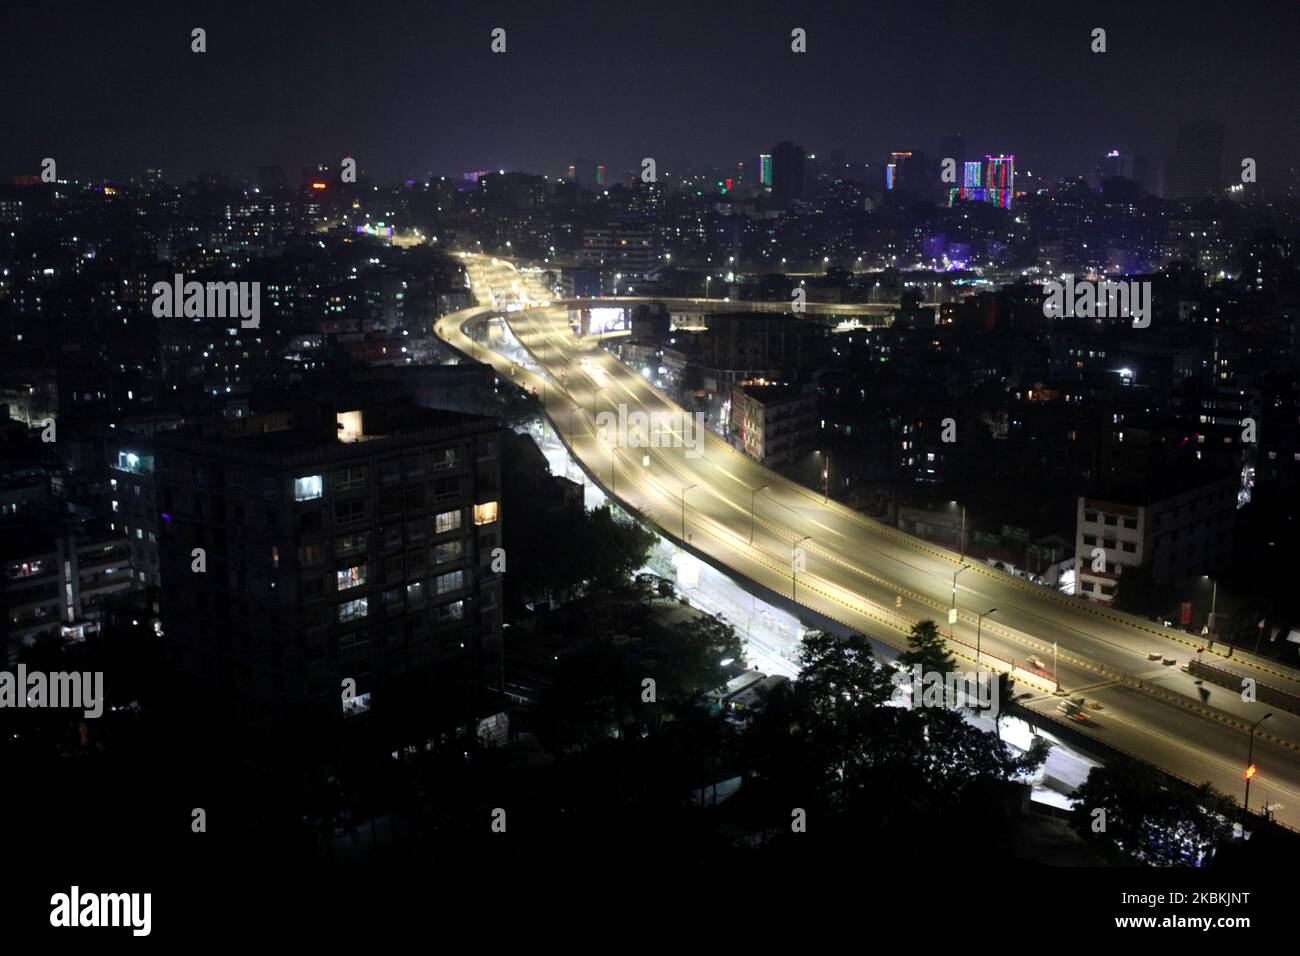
(348, 561)
(788, 171)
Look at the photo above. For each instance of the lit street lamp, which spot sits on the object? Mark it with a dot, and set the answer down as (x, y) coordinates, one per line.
(1250, 756)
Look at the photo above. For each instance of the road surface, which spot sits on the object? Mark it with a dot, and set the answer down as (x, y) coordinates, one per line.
(876, 579)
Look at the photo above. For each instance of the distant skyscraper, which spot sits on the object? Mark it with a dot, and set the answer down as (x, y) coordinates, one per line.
(992, 181)
(765, 169)
(1000, 179)
(788, 171)
(1112, 164)
(587, 173)
(894, 174)
(1198, 160)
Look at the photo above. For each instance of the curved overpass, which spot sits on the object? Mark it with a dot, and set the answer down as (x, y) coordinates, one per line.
(879, 581)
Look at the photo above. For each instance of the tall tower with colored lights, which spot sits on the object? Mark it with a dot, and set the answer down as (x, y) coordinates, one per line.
(1000, 179)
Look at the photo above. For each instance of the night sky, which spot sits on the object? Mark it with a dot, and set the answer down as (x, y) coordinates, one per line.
(410, 87)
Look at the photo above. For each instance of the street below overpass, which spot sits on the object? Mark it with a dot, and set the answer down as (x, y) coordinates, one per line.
(873, 578)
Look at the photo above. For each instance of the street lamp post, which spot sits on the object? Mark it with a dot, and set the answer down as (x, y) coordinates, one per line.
(1214, 600)
(684, 490)
(961, 537)
(826, 476)
(952, 611)
(794, 568)
(603, 439)
(1250, 755)
(752, 496)
(979, 624)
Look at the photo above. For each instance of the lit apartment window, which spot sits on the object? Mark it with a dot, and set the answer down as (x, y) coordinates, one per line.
(354, 610)
(485, 513)
(351, 577)
(454, 611)
(349, 426)
(449, 551)
(305, 489)
(446, 583)
(448, 521)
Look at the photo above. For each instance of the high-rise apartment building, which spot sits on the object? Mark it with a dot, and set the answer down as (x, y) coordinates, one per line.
(58, 573)
(992, 181)
(343, 562)
(788, 172)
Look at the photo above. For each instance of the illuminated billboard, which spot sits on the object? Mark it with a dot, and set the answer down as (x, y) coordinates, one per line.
(601, 320)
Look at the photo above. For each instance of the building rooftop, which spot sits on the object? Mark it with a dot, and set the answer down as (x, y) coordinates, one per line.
(322, 434)
(769, 394)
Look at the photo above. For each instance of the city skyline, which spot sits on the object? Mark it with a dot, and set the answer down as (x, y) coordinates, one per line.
(487, 451)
